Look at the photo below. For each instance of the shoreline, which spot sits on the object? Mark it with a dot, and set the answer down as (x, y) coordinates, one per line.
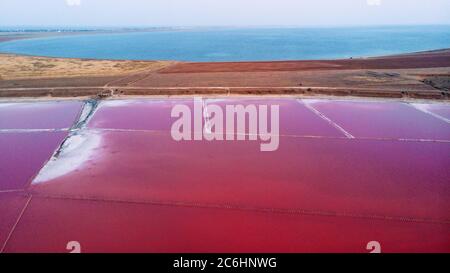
(406, 54)
(416, 75)
(12, 36)
(442, 52)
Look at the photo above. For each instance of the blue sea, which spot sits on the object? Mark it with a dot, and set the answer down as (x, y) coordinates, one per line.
(239, 44)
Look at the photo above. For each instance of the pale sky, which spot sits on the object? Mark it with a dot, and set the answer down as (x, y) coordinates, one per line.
(222, 12)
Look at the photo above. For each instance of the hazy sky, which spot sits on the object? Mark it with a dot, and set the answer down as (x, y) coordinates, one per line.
(222, 12)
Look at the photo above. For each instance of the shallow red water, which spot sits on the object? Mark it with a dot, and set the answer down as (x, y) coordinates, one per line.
(48, 224)
(11, 205)
(442, 110)
(124, 184)
(295, 118)
(383, 119)
(42, 115)
(23, 155)
(135, 114)
(337, 175)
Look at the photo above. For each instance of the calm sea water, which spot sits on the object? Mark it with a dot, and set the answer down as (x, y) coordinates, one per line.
(240, 44)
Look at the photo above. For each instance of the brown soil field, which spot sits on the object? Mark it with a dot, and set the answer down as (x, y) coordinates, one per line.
(416, 75)
(29, 67)
(439, 58)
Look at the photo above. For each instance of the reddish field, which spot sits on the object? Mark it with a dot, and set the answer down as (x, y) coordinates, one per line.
(420, 75)
(430, 59)
(346, 172)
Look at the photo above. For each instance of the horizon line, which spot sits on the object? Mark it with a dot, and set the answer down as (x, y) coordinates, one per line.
(222, 26)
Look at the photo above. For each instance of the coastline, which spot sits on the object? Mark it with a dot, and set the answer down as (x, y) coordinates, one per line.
(12, 36)
(17, 35)
(27, 34)
(422, 75)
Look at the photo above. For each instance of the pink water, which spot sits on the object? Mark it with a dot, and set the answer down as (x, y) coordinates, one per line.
(124, 185)
(39, 115)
